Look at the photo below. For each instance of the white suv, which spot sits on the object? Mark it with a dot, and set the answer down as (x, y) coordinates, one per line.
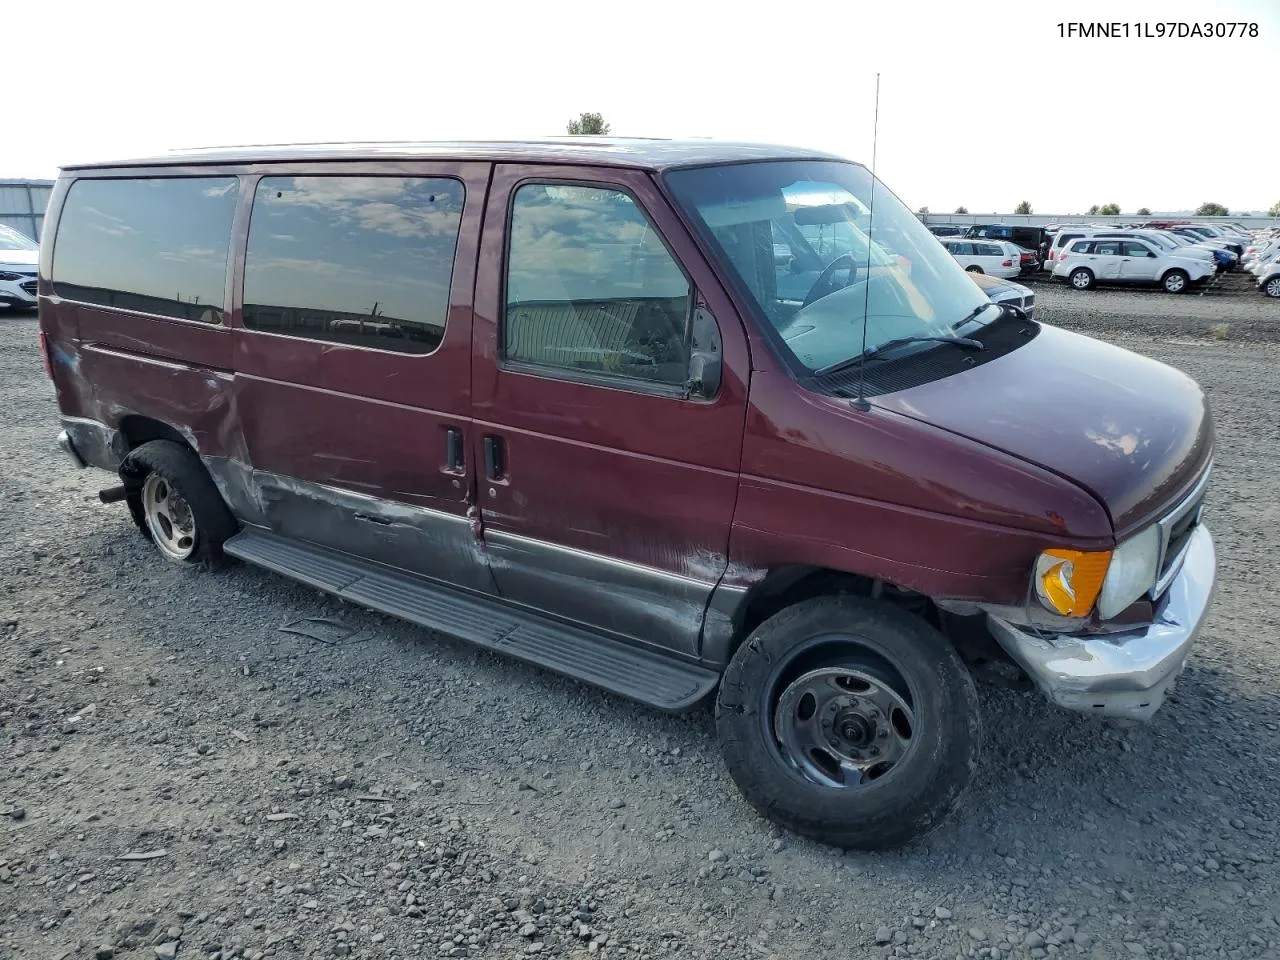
(1088, 261)
(19, 260)
(1000, 258)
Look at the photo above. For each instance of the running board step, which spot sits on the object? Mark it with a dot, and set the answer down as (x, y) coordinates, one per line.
(651, 678)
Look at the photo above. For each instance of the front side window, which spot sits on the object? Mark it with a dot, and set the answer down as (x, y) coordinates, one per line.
(592, 289)
(363, 261)
(155, 246)
(888, 271)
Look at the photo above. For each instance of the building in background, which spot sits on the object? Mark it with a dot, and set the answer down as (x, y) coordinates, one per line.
(22, 205)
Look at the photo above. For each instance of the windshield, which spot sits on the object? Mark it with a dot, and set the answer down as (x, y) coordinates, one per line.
(11, 239)
(800, 239)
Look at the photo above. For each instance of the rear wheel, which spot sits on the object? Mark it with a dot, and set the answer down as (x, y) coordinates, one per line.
(1175, 281)
(1082, 279)
(849, 721)
(176, 504)
(973, 268)
(1272, 287)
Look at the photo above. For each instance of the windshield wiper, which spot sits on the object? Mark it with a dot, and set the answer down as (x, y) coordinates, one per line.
(967, 342)
(971, 314)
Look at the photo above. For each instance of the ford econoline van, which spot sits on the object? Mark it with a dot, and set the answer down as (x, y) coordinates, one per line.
(567, 400)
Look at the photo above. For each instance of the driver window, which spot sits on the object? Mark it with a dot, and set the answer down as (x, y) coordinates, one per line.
(592, 288)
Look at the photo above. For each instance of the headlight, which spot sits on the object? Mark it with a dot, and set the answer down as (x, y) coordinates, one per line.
(1068, 581)
(1071, 582)
(1133, 572)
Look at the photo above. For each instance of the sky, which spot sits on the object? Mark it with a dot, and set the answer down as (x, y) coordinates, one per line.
(982, 104)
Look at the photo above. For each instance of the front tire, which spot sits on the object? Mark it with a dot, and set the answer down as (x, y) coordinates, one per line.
(1176, 281)
(1272, 287)
(1082, 279)
(175, 503)
(849, 721)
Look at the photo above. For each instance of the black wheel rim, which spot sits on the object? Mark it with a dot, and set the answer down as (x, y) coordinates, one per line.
(841, 715)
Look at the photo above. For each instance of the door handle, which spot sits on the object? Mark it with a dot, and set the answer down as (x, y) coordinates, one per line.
(494, 467)
(453, 449)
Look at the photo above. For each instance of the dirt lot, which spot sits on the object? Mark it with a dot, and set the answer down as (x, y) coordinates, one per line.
(179, 774)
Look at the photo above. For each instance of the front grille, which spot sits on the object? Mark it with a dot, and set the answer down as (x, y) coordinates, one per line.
(1175, 532)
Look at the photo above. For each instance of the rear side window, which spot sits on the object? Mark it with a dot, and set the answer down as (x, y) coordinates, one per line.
(988, 250)
(1110, 248)
(365, 261)
(591, 287)
(155, 246)
(1134, 249)
(1066, 238)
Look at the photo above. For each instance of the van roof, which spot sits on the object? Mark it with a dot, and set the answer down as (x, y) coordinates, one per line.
(648, 154)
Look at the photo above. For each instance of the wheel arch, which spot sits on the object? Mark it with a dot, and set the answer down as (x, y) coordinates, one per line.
(787, 585)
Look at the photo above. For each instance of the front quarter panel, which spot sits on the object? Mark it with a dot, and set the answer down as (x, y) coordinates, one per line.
(881, 495)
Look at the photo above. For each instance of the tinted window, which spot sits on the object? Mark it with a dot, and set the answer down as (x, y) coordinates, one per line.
(962, 249)
(590, 286)
(156, 246)
(988, 250)
(364, 261)
(1065, 238)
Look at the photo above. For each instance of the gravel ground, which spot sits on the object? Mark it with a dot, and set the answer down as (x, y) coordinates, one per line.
(180, 775)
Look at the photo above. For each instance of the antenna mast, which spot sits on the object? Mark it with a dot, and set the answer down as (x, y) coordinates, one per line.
(861, 401)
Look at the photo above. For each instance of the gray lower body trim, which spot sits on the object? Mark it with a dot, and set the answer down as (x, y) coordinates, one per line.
(429, 543)
(631, 600)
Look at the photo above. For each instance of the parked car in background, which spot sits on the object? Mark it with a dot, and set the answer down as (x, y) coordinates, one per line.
(947, 230)
(1006, 291)
(1231, 242)
(19, 262)
(1172, 243)
(996, 257)
(1269, 279)
(1034, 239)
(1090, 261)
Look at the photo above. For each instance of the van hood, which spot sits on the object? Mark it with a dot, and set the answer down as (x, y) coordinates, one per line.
(1133, 432)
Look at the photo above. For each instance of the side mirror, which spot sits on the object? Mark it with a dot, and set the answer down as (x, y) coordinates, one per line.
(705, 356)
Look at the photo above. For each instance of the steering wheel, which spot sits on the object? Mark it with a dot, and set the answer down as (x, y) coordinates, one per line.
(825, 284)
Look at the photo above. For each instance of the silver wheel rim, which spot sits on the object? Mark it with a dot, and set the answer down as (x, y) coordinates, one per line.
(842, 726)
(169, 518)
(1273, 287)
(1173, 283)
(1081, 280)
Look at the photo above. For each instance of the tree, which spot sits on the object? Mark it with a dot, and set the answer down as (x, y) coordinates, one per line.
(1144, 212)
(1109, 210)
(1023, 206)
(962, 209)
(922, 212)
(588, 125)
(1211, 210)
(1275, 210)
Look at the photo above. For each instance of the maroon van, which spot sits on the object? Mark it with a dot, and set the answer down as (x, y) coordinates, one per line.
(677, 419)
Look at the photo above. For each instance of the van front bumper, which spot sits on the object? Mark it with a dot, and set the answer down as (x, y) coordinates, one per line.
(1123, 674)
